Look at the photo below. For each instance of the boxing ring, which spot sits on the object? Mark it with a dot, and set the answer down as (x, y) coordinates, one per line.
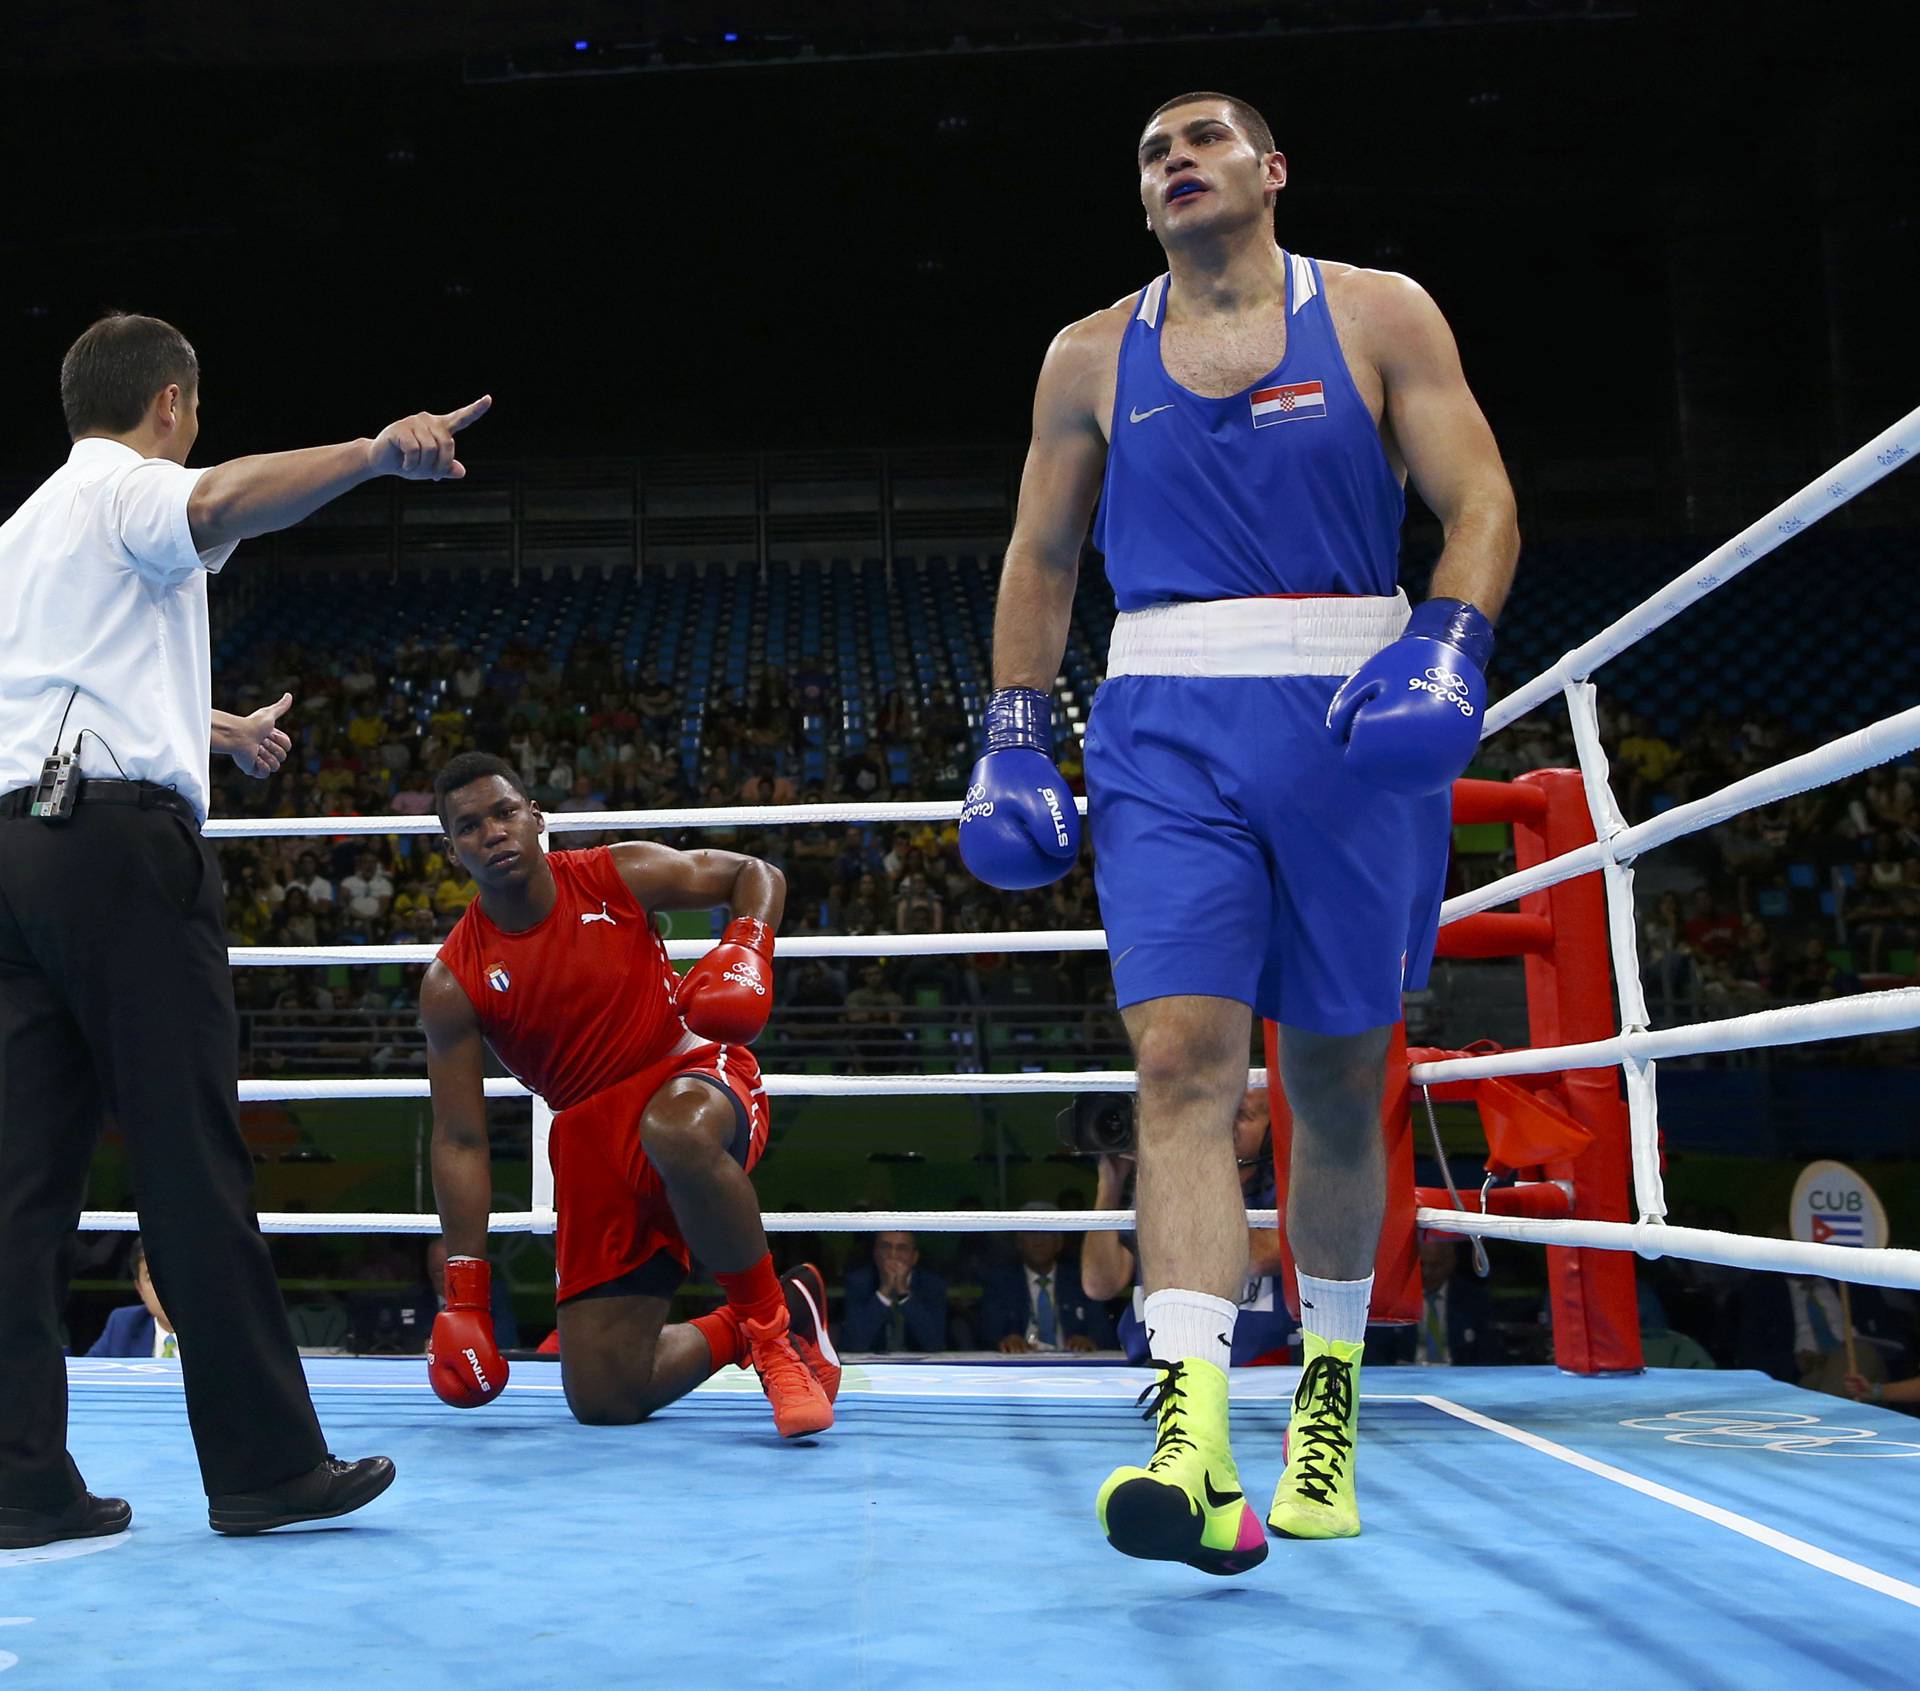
(1668, 1530)
(1684, 1529)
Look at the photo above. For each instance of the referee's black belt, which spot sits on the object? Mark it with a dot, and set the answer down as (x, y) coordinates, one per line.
(148, 795)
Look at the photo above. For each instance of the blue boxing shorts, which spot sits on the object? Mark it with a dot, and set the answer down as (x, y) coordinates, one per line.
(1236, 858)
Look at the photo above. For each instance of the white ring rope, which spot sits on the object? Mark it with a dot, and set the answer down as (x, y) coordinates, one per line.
(1797, 1024)
(1800, 1024)
(1879, 742)
(1853, 474)
(968, 944)
(1693, 1244)
(777, 1085)
(1636, 1048)
(774, 1221)
(1735, 1250)
(602, 821)
(373, 1221)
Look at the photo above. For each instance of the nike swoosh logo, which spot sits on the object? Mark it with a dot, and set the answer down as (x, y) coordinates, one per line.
(1123, 956)
(1220, 1499)
(1142, 416)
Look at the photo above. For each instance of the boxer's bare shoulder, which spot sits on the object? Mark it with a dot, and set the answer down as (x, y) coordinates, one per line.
(1083, 362)
(1376, 313)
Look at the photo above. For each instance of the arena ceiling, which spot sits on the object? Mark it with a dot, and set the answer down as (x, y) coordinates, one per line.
(529, 37)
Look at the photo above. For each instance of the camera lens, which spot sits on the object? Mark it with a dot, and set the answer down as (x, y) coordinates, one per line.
(1111, 1129)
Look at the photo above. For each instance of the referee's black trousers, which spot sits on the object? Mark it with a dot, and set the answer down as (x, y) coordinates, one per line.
(116, 998)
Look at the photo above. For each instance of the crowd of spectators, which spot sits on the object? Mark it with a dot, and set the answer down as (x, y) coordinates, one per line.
(589, 739)
(1808, 898)
(1801, 900)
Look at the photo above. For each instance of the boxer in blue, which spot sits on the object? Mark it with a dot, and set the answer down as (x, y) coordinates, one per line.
(1268, 764)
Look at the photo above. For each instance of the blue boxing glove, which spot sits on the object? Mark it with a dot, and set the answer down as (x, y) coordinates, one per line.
(1411, 715)
(1019, 827)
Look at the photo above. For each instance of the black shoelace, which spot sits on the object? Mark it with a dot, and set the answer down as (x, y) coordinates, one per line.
(1326, 1395)
(1167, 1394)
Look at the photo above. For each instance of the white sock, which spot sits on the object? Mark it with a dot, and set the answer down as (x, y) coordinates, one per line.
(1184, 1326)
(1335, 1309)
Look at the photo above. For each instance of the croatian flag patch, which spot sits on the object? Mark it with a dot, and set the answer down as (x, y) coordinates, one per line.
(498, 978)
(1283, 404)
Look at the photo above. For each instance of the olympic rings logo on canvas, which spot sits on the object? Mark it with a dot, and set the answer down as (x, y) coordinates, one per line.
(1786, 1431)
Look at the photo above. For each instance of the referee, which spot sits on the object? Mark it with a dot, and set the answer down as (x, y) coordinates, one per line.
(115, 992)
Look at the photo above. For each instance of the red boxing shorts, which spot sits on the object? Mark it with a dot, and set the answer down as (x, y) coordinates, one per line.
(613, 1214)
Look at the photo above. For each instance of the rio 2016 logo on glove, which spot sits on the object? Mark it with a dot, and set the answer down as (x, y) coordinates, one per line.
(1443, 684)
(744, 974)
(978, 807)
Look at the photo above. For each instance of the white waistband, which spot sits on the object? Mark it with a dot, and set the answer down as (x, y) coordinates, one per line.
(1249, 637)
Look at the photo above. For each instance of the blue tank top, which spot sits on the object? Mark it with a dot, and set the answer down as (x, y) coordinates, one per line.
(1284, 488)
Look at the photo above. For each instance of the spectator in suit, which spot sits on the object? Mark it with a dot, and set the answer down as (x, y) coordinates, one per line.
(138, 1329)
(1038, 1304)
(894, 1304)
(1456, 1323)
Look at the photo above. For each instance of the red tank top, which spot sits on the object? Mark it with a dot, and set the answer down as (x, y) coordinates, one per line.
(581, 999)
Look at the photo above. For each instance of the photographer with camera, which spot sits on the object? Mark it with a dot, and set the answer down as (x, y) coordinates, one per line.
(1109, 1262)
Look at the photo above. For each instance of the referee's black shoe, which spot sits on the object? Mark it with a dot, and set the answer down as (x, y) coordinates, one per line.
(333, 1488)
(86, 1516)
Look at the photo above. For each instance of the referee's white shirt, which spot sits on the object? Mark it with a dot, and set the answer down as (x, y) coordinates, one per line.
(102, 589)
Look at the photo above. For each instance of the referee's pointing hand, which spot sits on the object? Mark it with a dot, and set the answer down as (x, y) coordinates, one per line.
(420, 447)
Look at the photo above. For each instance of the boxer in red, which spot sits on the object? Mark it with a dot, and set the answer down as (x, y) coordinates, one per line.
(659, 1111)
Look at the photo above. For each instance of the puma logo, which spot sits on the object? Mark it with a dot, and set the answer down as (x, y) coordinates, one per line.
(602, 917)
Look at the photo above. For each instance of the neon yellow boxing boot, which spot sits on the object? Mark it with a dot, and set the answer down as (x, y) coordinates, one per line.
(1186, 1505)
(1316, 1497)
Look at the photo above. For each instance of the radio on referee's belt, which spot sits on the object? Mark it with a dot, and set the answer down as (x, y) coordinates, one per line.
(59, 786)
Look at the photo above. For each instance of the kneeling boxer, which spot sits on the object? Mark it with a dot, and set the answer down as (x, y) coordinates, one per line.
(659, 1111)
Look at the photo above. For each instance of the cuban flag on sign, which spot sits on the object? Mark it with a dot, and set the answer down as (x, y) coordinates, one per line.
(1284, 404)
(1837, 1229)
(498, 978)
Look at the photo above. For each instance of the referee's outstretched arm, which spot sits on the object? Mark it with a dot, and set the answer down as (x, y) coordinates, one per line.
(245, 497)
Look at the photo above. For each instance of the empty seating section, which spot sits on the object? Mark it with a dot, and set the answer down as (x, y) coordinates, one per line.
(1808, 635)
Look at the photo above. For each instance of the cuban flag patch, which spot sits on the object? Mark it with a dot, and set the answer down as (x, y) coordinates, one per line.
(1284, 404)
(498, 978)
(1838, 1230)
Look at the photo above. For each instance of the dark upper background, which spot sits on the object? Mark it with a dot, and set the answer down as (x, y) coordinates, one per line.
(1666, 235)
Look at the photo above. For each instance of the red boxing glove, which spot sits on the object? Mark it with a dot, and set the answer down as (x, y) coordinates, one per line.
(725, 997)
(463, 1362)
